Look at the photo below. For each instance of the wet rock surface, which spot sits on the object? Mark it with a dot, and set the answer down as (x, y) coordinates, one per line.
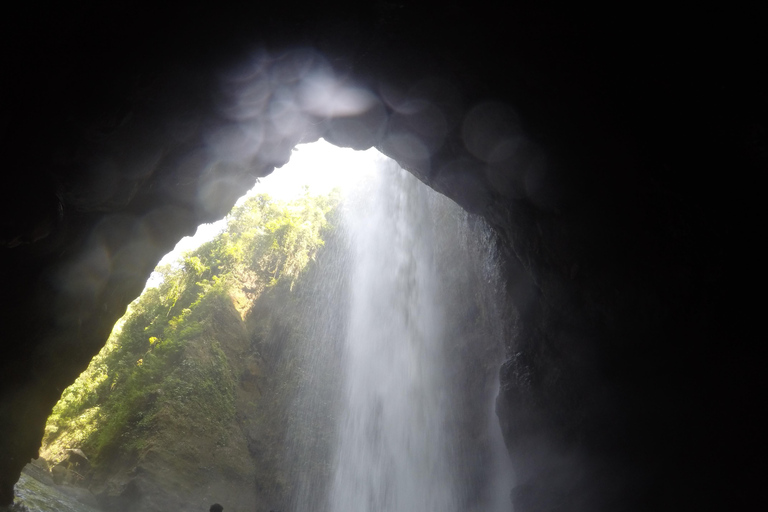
(615, 161)
(37, 490)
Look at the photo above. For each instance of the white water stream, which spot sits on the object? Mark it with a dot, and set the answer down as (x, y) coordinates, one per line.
(392, 451)
(398, 447)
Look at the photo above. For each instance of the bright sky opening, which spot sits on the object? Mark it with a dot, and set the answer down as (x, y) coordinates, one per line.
(321, 166)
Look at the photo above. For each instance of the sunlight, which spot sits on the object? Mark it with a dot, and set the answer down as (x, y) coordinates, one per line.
(321, 166)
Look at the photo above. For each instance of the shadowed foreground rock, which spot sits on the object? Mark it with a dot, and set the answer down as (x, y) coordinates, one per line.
(615, 159)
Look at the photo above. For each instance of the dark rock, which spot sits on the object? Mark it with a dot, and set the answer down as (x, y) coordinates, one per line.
(615, 159)
(59, 473)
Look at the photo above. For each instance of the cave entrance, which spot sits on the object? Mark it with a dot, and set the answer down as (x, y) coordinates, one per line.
(270, 362)
(314, 168)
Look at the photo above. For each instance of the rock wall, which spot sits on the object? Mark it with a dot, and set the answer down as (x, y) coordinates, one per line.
(613, 152)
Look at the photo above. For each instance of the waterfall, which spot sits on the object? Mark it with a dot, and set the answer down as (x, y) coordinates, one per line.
(393, 454)
(414, 427)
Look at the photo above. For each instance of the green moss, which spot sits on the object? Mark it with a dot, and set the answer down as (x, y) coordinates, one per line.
(164, 369)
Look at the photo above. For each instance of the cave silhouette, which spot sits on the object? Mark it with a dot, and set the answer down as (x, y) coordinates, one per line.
(612, 152)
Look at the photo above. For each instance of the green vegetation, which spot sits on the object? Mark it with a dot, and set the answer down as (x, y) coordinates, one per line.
(166, 360)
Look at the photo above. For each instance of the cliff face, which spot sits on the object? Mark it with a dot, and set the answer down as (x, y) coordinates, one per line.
(189, 400)
(180, 445)
(614, 160)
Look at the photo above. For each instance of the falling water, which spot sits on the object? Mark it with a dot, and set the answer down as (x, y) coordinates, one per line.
(414, 428)
(393, 454)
